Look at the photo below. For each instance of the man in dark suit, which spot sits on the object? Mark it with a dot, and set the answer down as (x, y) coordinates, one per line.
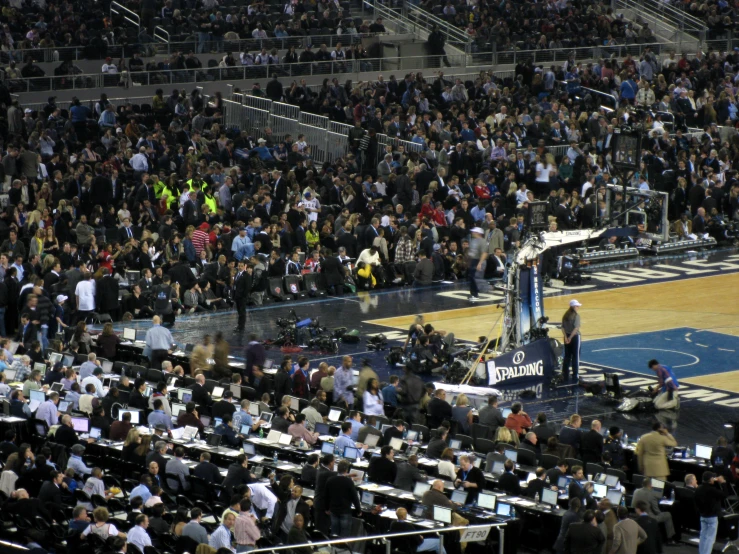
(101, 189)
(325, 472)
(584, 537)
(241, 286)
(238, 474)
(653, 544)
(51, 491)
(438, 409)
(536, 486)
(408, 474)
(309, 471)
(181, 273)
(158, 456)
(571, 434)
(491, 416)
(563, 213)
(190, 211)
(543, 429)
(200, 395)
(207, 470)
(334, 273)
(591, 444)
(125, 232)
(509, 481)
(107, 295)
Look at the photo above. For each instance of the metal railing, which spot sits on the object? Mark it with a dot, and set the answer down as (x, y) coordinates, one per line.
(387, 539)
(348, 68)
(665, 20)
(161, 34)
(425, 20)
(159, 47)
(128, 15)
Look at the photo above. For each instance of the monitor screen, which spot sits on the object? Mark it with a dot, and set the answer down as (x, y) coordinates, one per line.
(217, 421)
(285, 439)
(245, 429)
(703, 452)
(294, 404)
(68, 360)
(107, 366)
(215, 440)
(95, 433)
(351, 452)
(273, 436)
(186, 396)
(254, 409)
(334, 415)
(236, 390)
(177, 408)
(205, 420)
(141, 334)
(384, 427)
(371, 441)
(511, 455)
(455, 444)
(40, 367)
(611, 480)
(327, 448)
(368, 498)
(503, 509)
(412, 435)
(506, 412)
(614, 495)
(13, 347)
(418, 510)
(37, 395)
(63, 405)
(396, 443)
(487, 501)
(217, 392)
(477, 462)
(443, 515)
(460, 497)
(498, 468)
(599, 491)
(81, 424)
(134, 416)
(323, 429)
(658, 485)
(249, 449)
(148, 391)
(548, 496)
(563, 481)
(55, 358)
(266, 416)
(129, 334)
(420, 488)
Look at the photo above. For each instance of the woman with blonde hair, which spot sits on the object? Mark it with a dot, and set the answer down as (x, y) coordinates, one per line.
(462, 414)
(101, 527)
(507, 436)
(37, 242)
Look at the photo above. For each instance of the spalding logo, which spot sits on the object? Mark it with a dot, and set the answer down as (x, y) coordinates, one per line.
(518, 357)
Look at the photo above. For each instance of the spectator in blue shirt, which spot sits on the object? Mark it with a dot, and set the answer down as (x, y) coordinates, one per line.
(355, 420)
(158, 417)
(262, 151)
(345, 439)
(142, 490)
(390, 392)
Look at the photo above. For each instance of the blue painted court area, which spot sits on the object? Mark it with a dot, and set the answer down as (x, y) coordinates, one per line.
(691, 352)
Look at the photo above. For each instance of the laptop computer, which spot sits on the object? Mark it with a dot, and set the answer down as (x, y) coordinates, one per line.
(503, 510)
(236, 390)
(459, 497)
(511, 455)
(57, 387)
(368, 500)
(266, 417)
(614, 496)
(498, 468)
(81, 424)
(68, 360)
(205, 420)
(327, 448)
(9, 375)
(177, 409)
(418, 510)
(55, 358)
(548, 496)
(107, 366)
(37, 395)
(703, 452)
(285, 439)
(177, 433)
(96, 433)
(442, 515)
(563, 482)
(396, 444)
(189, 433)
(249, 449)
(351, 452)
(129, 334)
(217, 392)
(64, 406)
(273, 437)
(599, 491)
(507, 412)
(254, 409)
(334, 415)
(215, 440)
(487, 501)
(324, 429)
(420, 488)
(411, 435)
(455, 444)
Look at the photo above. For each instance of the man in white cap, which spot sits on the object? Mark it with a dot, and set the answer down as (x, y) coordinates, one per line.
(59, 321)
(476, 255)
(571, 332)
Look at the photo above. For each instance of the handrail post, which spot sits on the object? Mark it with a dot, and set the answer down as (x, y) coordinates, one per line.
(501, 545)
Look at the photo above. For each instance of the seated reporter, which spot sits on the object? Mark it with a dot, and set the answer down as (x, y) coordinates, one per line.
(226, 430)
(413, 543)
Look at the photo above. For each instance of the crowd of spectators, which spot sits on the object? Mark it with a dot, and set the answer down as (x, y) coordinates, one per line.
(169, 190)
(67, 26)
(540, 26)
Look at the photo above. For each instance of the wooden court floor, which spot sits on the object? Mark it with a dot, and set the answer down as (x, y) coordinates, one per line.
(707, 303)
